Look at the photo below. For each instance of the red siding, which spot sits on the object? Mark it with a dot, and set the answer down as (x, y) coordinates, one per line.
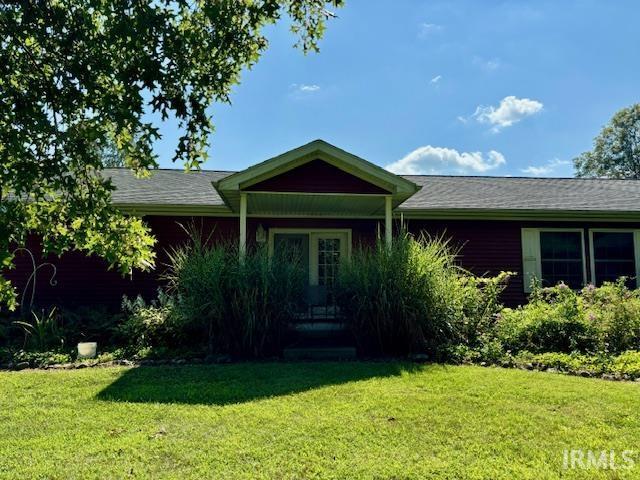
(486, 247)
(316, 176)
(86, 280)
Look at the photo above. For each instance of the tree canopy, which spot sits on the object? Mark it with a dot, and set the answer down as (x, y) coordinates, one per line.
(616, 150)
(79, 75)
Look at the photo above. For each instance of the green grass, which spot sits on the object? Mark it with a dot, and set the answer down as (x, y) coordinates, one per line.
(310, 420)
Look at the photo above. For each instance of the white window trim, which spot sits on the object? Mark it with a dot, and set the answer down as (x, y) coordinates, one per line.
(636, 249)
(527, 288)
(314, 233)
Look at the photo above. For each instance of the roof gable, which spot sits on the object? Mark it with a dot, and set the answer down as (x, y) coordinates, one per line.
(317, 176)
(319, 149)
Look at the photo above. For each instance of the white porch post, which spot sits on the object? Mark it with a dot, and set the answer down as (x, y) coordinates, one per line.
(242, 248)
(388, 231)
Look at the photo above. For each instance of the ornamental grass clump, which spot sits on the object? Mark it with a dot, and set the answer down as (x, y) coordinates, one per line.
(412, 297)
(240, 306)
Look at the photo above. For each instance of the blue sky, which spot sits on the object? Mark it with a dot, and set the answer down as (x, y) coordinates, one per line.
(452, 87)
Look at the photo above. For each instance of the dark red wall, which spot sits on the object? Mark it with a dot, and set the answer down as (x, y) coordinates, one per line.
(316, 176)
(83, 280)
(485, 247)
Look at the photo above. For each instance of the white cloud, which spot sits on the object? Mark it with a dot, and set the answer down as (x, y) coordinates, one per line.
(487, 64)
(436, 79)
(511, 110)
(305, 88)
(302, 91)
(434, 160)
(545, 169)
(426, 29)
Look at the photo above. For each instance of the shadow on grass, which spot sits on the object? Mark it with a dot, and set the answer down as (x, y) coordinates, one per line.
(238, 383)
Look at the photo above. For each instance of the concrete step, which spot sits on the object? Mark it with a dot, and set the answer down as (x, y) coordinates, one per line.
(320, 353)
(319, 327)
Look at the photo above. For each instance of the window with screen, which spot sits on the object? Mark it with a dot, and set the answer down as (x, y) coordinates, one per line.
(614, 257)
(561, 258)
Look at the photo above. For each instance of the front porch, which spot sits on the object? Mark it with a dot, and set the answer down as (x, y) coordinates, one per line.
(309, 200)
(314, 187)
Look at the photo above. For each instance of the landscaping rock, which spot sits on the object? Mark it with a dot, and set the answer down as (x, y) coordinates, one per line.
(60, 366)
(21, 365)
(553, 370)
(585, 373)
(529, 366)
(608, 376)
(179, 361)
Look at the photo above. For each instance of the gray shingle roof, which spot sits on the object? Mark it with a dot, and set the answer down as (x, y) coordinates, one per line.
(166, 187)
(175, 187)
(505, 193)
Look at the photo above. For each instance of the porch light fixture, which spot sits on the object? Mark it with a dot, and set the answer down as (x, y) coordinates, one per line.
(261, 234)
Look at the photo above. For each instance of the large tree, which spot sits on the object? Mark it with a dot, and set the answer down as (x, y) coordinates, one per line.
(616, 150)
(78, 75)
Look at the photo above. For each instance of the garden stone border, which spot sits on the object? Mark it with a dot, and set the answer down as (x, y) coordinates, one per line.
(213, 359)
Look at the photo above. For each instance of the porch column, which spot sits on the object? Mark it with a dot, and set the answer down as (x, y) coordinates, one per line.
(242, 248)
(388, 231)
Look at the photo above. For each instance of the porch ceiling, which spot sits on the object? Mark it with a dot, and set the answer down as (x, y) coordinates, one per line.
(314, 205)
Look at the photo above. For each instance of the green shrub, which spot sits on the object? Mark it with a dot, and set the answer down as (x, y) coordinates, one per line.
(552, 321)
(614, 312)
(490, 352)
(412, 296)
(558, 319)
(243, 307)
(627, 363)
(150, 324)
(40, 359)
(566, 362)
(479, 308)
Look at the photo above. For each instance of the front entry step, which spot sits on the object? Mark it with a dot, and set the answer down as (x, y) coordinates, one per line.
(320, 353)
(319, 328)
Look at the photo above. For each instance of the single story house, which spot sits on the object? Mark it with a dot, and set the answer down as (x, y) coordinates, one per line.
(328, 201)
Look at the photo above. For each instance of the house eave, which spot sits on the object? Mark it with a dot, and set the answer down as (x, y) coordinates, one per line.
(144, 209)
(519, 214)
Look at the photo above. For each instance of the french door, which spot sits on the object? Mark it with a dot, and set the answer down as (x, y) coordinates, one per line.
(325, 249)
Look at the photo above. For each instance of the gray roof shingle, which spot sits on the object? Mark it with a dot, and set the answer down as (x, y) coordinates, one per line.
(175, 187)
(523, 193)
(166, 187)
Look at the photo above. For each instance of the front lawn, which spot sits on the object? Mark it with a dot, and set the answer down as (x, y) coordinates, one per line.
(310, 420)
